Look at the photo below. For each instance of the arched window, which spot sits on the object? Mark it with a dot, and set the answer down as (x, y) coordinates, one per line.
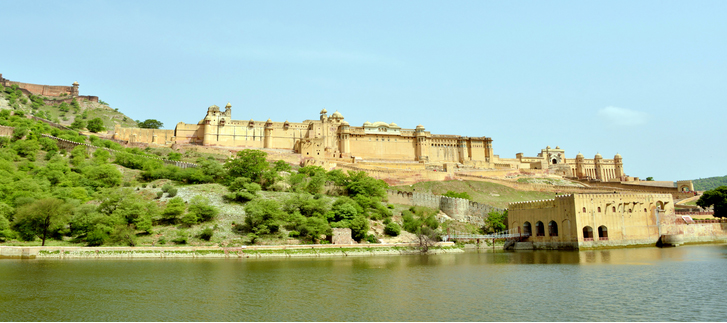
(614, 208)
(553, 228)
(527, 231)
(539, 229)
(602, 233)
(599, 209)
(587, 233)
(584, 209)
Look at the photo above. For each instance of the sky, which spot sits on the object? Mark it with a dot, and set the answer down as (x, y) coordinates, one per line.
(645, 79)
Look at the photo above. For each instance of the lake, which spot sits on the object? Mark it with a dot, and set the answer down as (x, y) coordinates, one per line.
(637, 284)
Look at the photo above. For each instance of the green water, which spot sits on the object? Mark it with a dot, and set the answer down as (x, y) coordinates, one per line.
(644, 284)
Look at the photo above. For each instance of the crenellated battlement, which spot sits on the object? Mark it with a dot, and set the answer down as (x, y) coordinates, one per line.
(571, 198)
(458, 208)
(537, 204)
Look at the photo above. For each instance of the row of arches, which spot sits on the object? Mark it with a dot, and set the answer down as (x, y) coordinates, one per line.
(588, 233)
(553, 230)
(540, 229)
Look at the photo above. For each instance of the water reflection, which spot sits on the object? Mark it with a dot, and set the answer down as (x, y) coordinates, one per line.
(609, 285)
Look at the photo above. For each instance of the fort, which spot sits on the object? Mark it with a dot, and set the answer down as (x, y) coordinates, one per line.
(331, 138)
(578, 221)
(53, 94)
(388, 151)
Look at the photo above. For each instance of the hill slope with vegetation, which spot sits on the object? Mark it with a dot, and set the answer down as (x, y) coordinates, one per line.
(709, 183)
(123, 197)
(76, 114)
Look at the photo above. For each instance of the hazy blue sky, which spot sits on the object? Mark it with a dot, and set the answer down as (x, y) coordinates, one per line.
(646, 79)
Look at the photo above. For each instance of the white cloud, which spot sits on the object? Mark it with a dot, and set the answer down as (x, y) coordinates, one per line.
(623, 117)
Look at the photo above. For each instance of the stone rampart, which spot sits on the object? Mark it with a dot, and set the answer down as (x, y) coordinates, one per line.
(398, 176)
(68, 100)
(6, 131)
(457, 208)
(39, 89)
(51, 123)
(69, 145)
(536, 187)
(674, 191)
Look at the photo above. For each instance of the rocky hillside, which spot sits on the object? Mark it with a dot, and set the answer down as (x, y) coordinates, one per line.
(63, 113)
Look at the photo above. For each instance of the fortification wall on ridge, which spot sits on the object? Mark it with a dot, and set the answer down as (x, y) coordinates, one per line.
(6, 131)
(457, 208)
(39, 89)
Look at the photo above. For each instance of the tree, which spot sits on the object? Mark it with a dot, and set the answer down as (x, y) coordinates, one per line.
(263, 216)
(717, 198)
(95, 125)
(281, 166)
(150, 124)
(78, 124)
(359, 227)
(41, 217)
(650, 179)
(175, 207)
(201, 208)
(392, 229)
(495, 222)
(249, 163)
(425, 239)
(5, 232)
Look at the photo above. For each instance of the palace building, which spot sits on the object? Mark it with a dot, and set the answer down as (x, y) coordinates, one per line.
(594, 220)
(332, 138)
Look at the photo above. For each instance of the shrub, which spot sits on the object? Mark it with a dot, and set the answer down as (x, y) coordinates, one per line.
(281, 166)
(189, 219)
(95, 125)
(123, 235)
(206, 234)
(160, 194)
(372, 238)
(392, 229)
(166, 187)
(263, 216)
(162, 240)
(241, 190)
(19, 133)
(454, 194)
(199, 206)
(182, 237)
(359, 227)
(248, 163)
(175, 207)
(172, 192)
(78, 124)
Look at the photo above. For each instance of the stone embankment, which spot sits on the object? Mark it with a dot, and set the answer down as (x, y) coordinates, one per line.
(289, 251)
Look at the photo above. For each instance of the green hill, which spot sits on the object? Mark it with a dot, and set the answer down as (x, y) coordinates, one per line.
(63, 113)
(709, 183)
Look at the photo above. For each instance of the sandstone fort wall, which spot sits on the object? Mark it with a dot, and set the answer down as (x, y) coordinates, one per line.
(39, 89)
(457, 208)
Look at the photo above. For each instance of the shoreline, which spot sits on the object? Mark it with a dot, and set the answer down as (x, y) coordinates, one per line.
(243, 252)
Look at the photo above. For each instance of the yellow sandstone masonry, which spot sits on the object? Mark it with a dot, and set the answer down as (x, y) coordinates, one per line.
(378, 145)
